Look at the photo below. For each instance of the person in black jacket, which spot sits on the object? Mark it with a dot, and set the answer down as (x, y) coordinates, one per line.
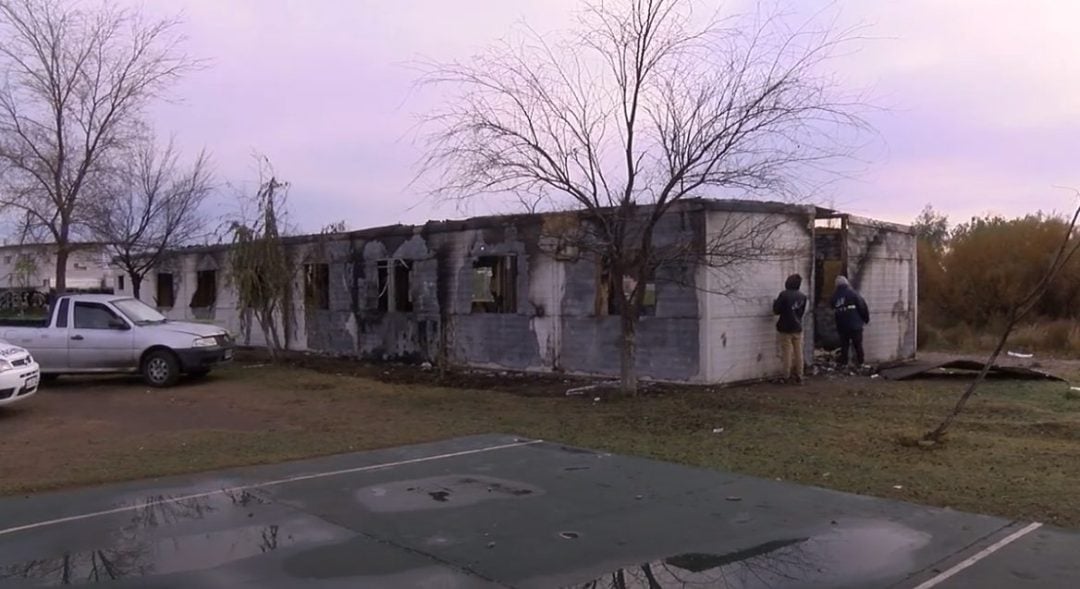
(852, 315)
(791, 306)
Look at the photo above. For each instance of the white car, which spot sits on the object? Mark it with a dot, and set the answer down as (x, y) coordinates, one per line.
(19, 374)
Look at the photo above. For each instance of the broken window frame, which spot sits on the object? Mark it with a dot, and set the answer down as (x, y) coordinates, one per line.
(165, 299)
(494, 284)
(393, 296)
(607, 303)
(205, 295)
(317, 286)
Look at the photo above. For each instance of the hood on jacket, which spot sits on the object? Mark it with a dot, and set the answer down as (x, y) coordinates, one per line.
(793, 282)
(842, 281)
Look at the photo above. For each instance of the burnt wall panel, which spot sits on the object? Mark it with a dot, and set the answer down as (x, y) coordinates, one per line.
(492, 339)
(328, 330)
(882, 267)
(668, 344)
(391, 334)
(668, 348)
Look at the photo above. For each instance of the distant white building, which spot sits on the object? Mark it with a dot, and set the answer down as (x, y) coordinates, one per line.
(33, 266)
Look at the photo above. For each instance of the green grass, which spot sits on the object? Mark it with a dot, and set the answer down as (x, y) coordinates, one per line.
(1015, 452)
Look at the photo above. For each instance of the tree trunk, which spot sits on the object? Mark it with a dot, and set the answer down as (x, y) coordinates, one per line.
(628, 360)
(938, 434)
(136, 285)
(269, 336)
(62, 254)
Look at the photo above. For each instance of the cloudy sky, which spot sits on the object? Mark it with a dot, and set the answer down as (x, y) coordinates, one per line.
(980, 99)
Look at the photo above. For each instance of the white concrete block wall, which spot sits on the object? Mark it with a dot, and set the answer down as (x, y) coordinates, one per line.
(739, 340)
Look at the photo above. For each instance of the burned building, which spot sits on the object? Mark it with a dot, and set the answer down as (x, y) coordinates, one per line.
(506, 292)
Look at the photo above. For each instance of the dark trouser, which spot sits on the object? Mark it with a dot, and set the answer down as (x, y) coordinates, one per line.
(847, 340)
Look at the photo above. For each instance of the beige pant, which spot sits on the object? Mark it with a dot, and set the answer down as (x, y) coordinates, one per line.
(791, 354)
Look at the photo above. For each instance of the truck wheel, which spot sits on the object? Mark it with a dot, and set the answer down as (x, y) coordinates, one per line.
(161, 369)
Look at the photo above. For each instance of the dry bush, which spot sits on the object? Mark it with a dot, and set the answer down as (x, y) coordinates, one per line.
(992, 262)
(1061, 336)
(971, 277)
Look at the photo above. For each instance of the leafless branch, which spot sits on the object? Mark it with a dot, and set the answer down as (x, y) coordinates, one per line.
(151, 205)
(638, 110)
(76, 82)
(1021, 309)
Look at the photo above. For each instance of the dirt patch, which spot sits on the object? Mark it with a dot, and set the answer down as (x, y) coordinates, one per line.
(528, 385)
(128, 404)
(525, 384)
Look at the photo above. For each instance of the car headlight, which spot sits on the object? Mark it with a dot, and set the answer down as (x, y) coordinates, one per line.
(204, 342)
(5, 366)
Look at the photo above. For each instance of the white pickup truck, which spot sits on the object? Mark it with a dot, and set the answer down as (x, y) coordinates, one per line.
(93, 334)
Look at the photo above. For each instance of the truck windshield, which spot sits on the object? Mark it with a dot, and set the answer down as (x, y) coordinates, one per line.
(139, 312)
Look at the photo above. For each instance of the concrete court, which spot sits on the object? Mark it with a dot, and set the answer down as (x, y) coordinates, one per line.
(498, 511)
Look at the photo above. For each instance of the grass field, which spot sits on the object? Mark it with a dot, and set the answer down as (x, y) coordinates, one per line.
(1016, 452)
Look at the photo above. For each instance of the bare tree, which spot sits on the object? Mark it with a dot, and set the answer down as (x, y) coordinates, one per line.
(1020, 310)
(154, 205)
(636, 111)
(76, 80)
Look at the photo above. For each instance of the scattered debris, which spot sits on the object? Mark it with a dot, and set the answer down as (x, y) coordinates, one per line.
(569, 535)
(825, 364)
(596, 399)
(426, 366)
(491, 545)
(733, 498)
(639, 497)
(961, 367)
(254, 365)
(576, 391)
(1019, 354)
(1074, 388)
(898, 487)
(718, 430)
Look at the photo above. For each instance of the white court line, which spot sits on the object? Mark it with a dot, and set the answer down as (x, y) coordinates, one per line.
(305, 477)
(941, 578)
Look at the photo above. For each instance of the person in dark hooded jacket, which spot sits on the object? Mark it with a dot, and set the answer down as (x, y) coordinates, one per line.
(791, 306)
(852, 315)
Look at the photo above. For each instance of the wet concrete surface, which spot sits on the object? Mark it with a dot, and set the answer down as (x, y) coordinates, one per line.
(538, 515)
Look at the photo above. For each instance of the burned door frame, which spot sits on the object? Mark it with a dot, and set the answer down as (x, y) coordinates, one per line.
(825, 336)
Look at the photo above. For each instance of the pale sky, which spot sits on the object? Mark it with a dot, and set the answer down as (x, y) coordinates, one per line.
(980, 99)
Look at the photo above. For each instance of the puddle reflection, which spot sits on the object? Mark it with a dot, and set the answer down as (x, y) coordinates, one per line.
(860, 551)
(134, 551)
